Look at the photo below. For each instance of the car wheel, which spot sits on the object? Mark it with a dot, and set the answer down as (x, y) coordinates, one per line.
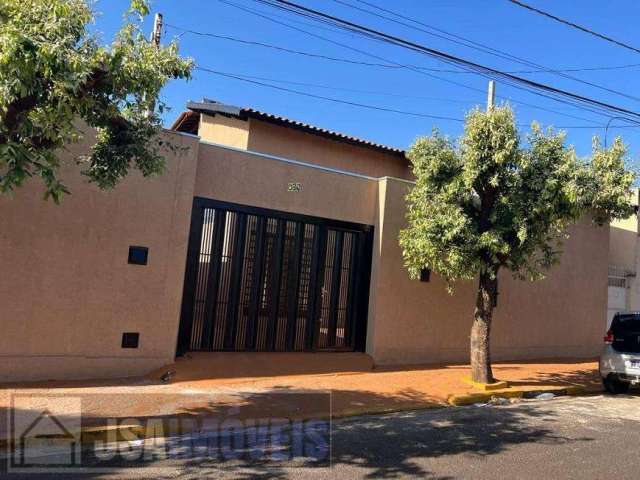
(615, 386)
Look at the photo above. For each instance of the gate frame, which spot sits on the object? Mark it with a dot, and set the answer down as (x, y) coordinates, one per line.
(362, 282)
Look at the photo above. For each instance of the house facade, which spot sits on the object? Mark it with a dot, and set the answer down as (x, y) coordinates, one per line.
(263, 234)
(624, 249)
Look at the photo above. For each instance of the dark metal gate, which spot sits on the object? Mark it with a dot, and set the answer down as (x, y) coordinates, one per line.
(265, 280)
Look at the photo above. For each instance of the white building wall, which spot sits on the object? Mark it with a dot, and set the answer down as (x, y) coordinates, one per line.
(624, 259)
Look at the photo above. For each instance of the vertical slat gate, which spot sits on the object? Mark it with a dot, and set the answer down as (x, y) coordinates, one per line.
(256, 282)
(336, 276)
(213, 276)
(293, 280)
(190, 281)
(274, 287)
(237, 261)
(315, 287)
(351, 290)
(260, 280)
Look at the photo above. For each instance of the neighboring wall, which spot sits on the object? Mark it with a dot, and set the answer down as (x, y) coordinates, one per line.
(623, 243)
(561, 316)
(290, 143)
(224, 130)
(67, 290)
(259, 136)
(624, 288)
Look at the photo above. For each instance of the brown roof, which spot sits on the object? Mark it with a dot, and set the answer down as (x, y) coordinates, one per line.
(188, 122)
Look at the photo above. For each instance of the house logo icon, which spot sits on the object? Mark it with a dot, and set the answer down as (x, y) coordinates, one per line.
(43, 438)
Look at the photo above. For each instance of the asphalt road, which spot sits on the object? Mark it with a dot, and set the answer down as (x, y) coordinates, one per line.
(586, 438)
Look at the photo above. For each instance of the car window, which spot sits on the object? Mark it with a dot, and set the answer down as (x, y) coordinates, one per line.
(626, 323)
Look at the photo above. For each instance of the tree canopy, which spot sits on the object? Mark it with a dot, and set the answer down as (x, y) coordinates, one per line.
(490, 201)
(56, 78)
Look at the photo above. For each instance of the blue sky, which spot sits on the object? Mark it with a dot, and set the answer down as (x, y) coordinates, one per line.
(496, 23)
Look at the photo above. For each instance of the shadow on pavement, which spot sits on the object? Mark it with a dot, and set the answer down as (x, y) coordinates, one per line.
(385, 446)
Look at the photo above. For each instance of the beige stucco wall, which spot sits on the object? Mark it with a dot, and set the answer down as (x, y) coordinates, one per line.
(290, 143)
(224, 130)
(259, 136)
(623, 239)
(414, 322)
(67, 292)
(254, 180)
(623, 244)
(562, 315)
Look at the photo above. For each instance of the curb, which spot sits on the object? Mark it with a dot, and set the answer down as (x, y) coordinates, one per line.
(472, 398)
(107, 434)
(89, 435)
(486, 387)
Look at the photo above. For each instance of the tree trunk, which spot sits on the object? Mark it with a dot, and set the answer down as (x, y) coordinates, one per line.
(481, 330)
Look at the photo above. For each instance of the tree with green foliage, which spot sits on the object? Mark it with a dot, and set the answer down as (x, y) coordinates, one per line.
(56, 80)
(492, 202)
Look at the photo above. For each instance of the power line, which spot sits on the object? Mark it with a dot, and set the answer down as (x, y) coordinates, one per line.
(368, 53)
(251, 79)
(382, 65)
(471, 44)
(319, 27)
(575, 25)
(417, 70)
(534, 87)
(354, 90)
(348, 47)
(330, 99)
(267, 17)
(279, 48)
(581, 69)
(325, 57)
(385, 93)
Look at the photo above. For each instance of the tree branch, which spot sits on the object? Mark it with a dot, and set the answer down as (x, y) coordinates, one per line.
(16, 108)
(23, 105)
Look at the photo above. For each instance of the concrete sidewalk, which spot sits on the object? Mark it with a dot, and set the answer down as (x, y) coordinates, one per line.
(275, 385)
(358, 385)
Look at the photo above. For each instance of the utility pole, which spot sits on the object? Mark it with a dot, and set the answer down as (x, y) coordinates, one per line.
(491, 98)
(156, 34)
(491, 95)
(157, 30)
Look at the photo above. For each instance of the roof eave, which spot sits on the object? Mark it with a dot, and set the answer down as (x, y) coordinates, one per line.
(216, 108)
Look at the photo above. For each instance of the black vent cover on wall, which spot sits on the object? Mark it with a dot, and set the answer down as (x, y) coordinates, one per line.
(130, 339)
(425, 275)
(138, 255)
